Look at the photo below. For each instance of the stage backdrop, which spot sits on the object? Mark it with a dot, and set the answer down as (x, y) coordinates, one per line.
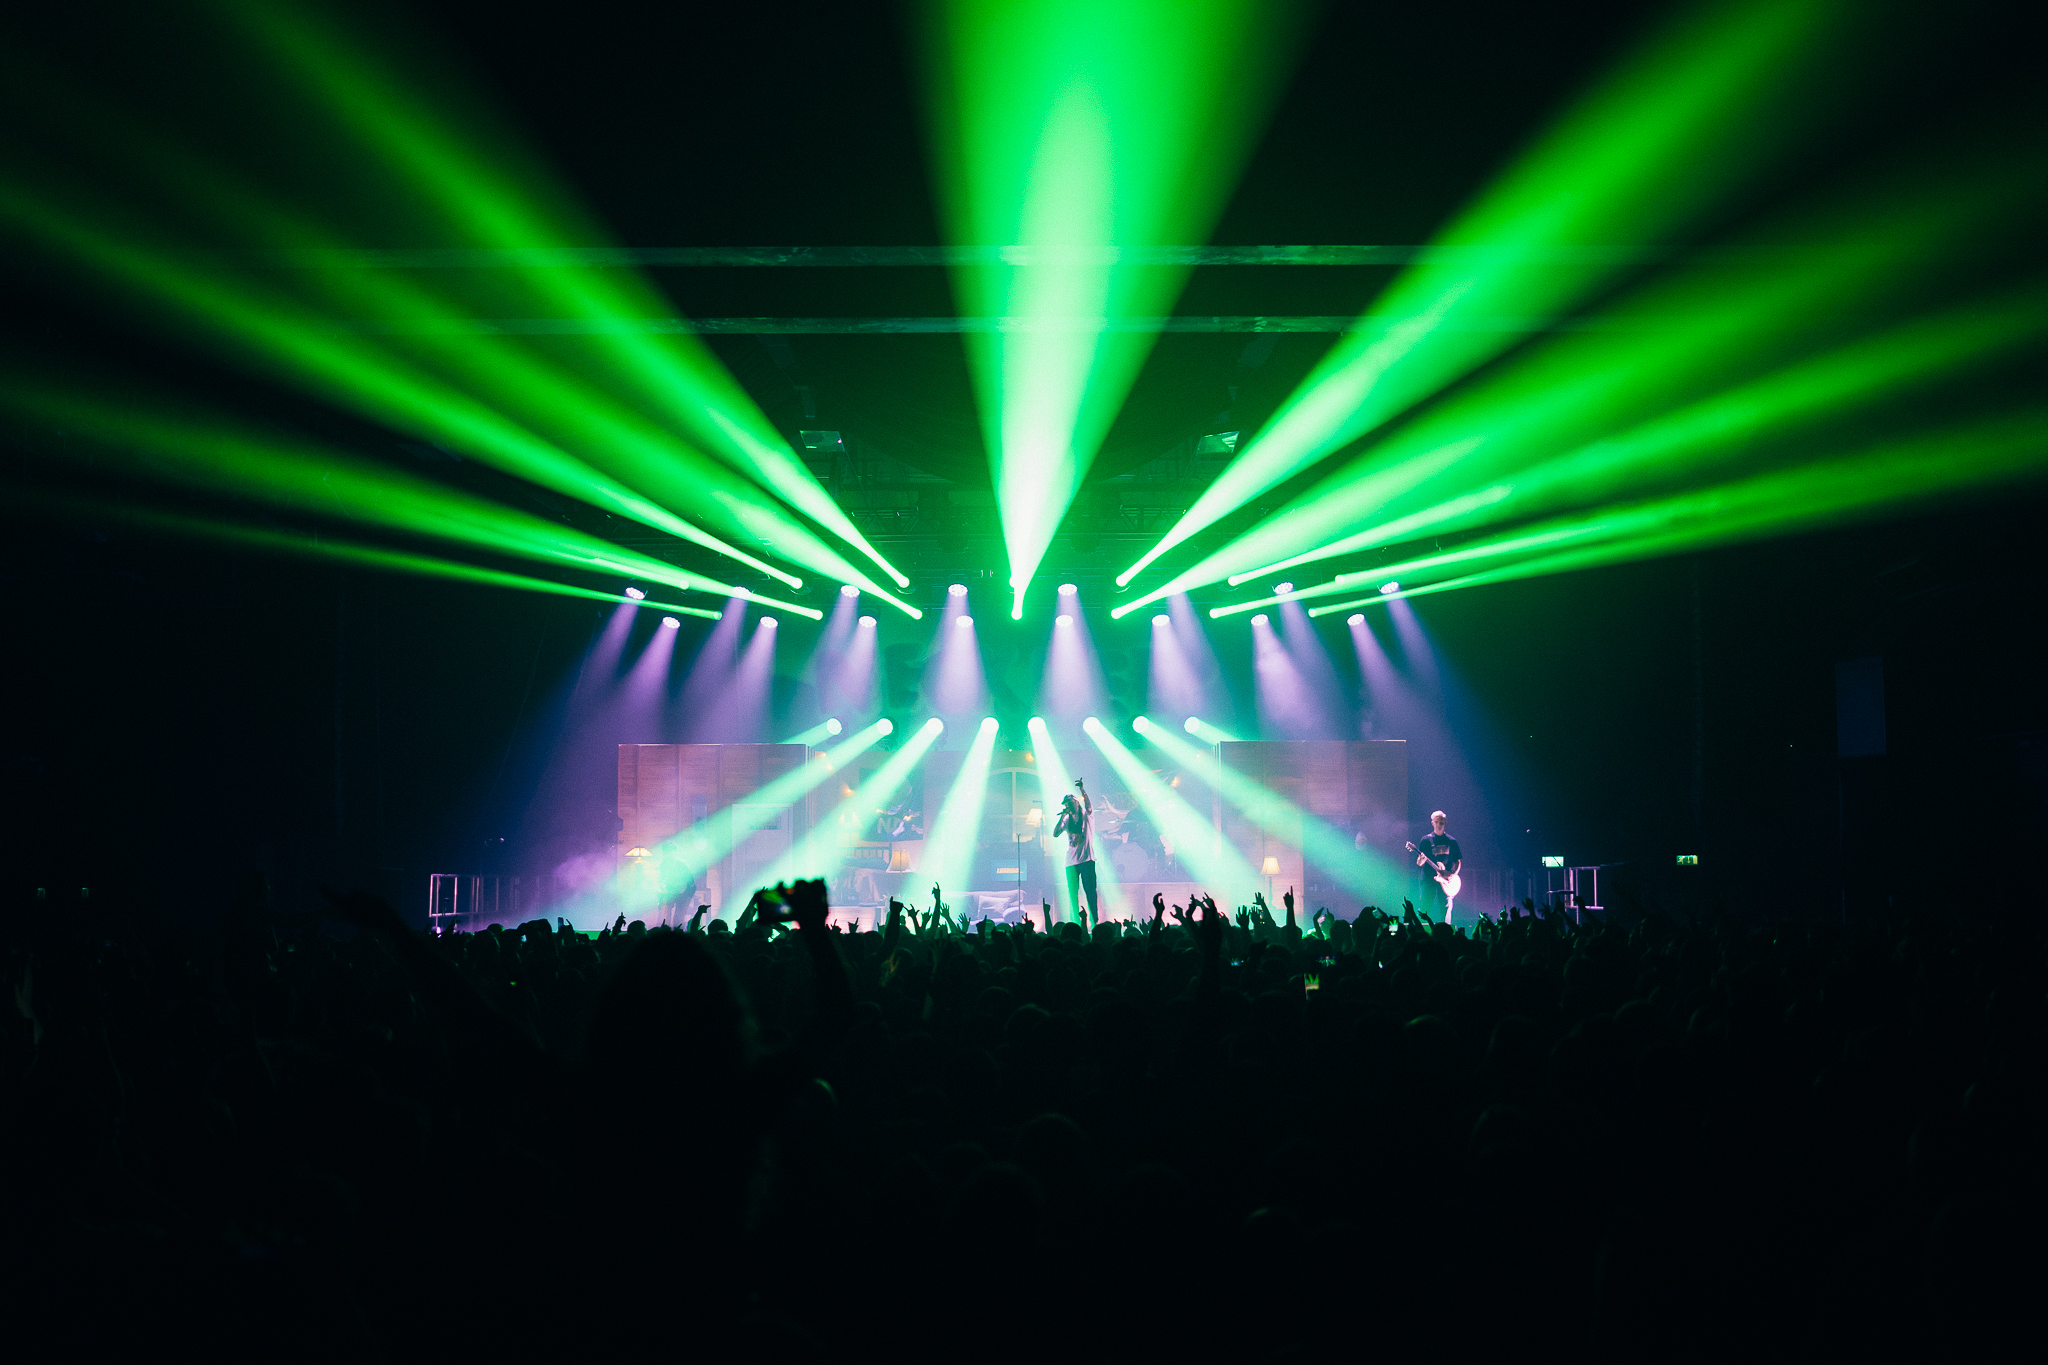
(667, 790)
(1357, 789)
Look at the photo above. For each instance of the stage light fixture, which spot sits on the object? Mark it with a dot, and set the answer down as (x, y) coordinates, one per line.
(1063, 620)
(1190, 725)
(670, 623)
(1140, 724)
(958, 590)
(767, 623)
(1390, 587)
(1036, 725)
(1068, 590)
(963, 621)
(1162, 619)
(849, 591)
(833, 727)
(636, 594)
(988, 722)
(934, 726)
(1091, 725)
(1282, 589)
(1017, 612)
(1357, 618)
(888, 726)
(868, 621)
(1259, 620)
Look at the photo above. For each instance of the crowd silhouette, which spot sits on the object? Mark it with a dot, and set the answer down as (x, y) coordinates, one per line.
(1198, 1132)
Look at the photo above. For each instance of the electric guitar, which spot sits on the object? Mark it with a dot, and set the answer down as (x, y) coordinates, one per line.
(1449, 881)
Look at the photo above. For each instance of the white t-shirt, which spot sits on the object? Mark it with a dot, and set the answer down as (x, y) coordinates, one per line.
(1081, 838)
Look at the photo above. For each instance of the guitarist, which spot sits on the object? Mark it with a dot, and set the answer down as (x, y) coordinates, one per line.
(1440, 848)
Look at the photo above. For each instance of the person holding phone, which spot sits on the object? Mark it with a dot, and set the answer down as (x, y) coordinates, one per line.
(1077, 822)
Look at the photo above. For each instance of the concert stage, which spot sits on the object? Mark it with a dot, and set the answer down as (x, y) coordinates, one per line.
(708, 823)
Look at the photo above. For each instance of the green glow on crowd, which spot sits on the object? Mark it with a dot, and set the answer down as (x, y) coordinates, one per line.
(1196, 843)
(482, 183)
(1706, 326)
(822, 852)
(1717, 94)
(1910, 472)
(1365, 872)
(1073, 128)
(180, 445)
(950, 847)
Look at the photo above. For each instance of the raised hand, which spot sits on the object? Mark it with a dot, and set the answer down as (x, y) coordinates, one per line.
(1158, 905)
(1287, 900)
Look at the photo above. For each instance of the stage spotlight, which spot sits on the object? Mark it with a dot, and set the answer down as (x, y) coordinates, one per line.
(1068, 590)
(670, 623)
(1390, 587)
(1036, 725)
(958, 590)
(832, 727)
(988, 723)
(1259, 620)
(767, 623)
(888, 726)
(868, 621)
(1190, 725)
(636, 594)
(1140, 724)
(1091, 725)
(1162, 619)
(1063, 620)
(934, 725)
(1356, 618)
(849, 591)
(1282, 589)
(1017, 612)
(964, 621)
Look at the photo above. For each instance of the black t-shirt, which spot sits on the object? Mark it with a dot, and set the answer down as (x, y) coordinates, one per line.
(1444, 849)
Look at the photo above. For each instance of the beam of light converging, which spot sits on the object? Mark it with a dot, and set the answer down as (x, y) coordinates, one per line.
(1056, 782)
(1667, 344)
(1360, 869)
(1072, 685)
(1723, 93)
(1195, 840)
(328, 548)
(822, 852)
(468, 166)
(817, 734)
(1071, 129)
(692, 852)
(555, 402)
(955, 684)
(740, 715)
(1207, 733)
(275, 334)
(710, 675)
(1288, 707)
(163, 442)
(1910, 473)
(955, 837)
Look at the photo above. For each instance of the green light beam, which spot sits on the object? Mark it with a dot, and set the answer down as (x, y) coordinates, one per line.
(484, 183)
(163, 443)
(1207, 733)
(821, 854)
(1718, 429)
(328, 548)
(1195, 839)
(1737, 317)
(1718, 93)
(278, 336)
(1903, 474)
(550, 400)
(1071, 129)
(823, 730)
(1365, 873)
(950, 848)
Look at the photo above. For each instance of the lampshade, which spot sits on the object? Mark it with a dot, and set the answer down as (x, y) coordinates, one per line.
(644, 853)
(1272, 867)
